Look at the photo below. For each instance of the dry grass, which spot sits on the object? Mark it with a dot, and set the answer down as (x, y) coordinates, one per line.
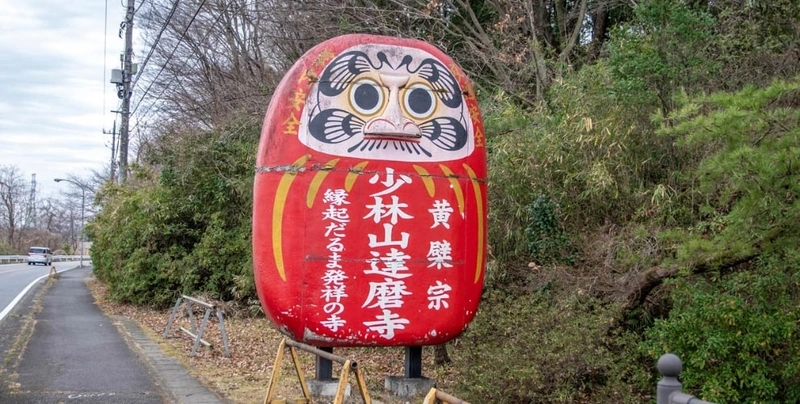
(253, 343)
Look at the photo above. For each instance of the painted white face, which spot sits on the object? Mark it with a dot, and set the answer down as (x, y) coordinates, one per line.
(394, 103)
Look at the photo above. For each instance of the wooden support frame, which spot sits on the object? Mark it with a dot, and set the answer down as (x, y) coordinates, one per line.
(347, 367)
(435, 396)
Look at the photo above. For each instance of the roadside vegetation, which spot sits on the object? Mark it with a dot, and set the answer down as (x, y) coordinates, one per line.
(644, 167)
(28, 219)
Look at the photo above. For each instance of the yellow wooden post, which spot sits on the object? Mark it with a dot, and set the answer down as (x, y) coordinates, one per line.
(300, 376)
(347, 366)
(276, 370)
(434, 396)
(362, 386)
(430, 398)
(340, 389)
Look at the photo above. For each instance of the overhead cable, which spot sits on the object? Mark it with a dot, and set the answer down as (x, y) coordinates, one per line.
(155, 43)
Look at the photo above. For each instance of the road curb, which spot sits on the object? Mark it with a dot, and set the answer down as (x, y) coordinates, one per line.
(172, 375)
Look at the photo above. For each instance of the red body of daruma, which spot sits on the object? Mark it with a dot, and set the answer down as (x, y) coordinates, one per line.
(369, 213)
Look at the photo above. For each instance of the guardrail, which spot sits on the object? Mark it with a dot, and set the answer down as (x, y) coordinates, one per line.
(16, 259)
(12, 259)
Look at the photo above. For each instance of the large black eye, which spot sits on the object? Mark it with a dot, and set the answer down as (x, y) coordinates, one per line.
(366, 97)
(419, 101)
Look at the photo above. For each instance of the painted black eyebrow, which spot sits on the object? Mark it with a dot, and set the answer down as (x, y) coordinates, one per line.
(342, 71)
(355, 79)
(346, 68)
(440, 79)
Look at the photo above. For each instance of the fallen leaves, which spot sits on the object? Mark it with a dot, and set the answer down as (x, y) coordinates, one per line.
(253, 343)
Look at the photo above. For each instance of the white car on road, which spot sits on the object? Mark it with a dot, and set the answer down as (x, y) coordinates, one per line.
(40, 255)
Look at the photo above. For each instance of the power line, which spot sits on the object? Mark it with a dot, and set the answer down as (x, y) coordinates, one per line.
(140, 6)
(158, 97)
(183, 36)
(155, 43)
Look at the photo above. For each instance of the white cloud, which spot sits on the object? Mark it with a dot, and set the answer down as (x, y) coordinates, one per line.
(54, 98)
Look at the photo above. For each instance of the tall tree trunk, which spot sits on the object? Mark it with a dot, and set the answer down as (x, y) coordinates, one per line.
(576, 31)
(599, 32)
(440, 356)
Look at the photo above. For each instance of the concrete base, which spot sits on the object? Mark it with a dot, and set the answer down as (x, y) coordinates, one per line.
(326, 388)
(408, 387)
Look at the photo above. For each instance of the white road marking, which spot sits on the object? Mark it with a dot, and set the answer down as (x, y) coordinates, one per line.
(19, 297)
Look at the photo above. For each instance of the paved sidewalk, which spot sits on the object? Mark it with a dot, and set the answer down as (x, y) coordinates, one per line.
(78, 354)
(172, 375)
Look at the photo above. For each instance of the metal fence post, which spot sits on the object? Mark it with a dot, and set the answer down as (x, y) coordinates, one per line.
(669, 366)
(224, 334)
(200, 332)
(172, 316)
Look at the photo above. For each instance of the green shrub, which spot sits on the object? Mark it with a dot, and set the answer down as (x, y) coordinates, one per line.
(6, 249)
(738, 334)
(536, 349)
(664, 48)
(547, 241)
(736, 328)
(184, 229)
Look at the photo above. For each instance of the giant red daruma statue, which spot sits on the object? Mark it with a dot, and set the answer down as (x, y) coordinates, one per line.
(369, 211)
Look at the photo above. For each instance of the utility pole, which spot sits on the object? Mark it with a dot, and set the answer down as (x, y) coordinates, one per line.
(30, 217)
(113, 134)
(127, 67)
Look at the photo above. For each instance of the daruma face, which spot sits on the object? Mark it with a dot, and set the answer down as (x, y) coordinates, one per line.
(382, 103)
(369, 213)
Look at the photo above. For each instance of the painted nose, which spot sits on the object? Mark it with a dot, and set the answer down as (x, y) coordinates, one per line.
(392, 122)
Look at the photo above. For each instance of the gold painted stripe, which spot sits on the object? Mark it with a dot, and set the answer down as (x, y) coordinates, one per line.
(277, 214)
(313, 188)
(456, 187)
(426, 179)
(479, 201)
(353, 174)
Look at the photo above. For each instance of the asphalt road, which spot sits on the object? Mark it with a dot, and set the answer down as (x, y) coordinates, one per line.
(14, 278)
(59, 347)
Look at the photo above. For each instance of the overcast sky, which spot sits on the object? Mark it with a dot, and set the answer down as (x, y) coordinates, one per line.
(55, 101)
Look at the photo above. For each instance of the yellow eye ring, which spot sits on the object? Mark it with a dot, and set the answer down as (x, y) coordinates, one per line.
(366, 97)
(419, 101)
